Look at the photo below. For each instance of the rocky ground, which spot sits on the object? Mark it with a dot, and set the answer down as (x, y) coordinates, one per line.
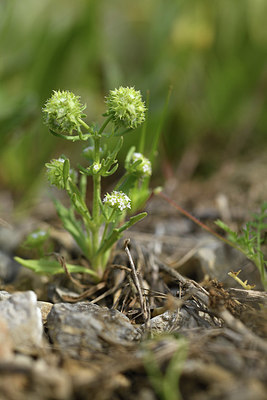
(166, 322)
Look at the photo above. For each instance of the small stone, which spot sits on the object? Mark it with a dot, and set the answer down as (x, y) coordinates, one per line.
(8, 268)
(24, 321)
(52, 381)
(6, 346)
(83, 327)
(45, 308)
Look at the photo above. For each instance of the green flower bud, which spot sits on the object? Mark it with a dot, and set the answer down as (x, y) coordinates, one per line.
(55, 173)
(63, 112)
(143, 168)
(117, 200)
(36, 239)
(126, 107)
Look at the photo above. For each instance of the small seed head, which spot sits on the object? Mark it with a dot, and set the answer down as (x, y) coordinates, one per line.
(63, 112)
(126, 107)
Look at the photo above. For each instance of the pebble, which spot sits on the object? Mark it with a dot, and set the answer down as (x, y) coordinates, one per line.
(8, 268)
(45, 308)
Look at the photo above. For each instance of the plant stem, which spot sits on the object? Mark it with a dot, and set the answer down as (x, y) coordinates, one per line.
(259, 261)
(96, 197)
(142, 140)
(107, 224)
(84, 124)
(104, 125)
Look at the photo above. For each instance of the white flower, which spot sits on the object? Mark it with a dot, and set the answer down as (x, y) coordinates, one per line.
(144, 168)
(38, 234)
(96, 167)
(117, 200)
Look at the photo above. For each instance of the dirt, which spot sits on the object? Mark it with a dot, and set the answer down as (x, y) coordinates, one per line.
(215, 329)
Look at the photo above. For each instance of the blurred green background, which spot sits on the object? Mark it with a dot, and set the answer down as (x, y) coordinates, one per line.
(212, 53)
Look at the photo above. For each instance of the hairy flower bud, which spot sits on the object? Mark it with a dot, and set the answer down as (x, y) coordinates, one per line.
(117, 200)
(126, 107)
(63, 112)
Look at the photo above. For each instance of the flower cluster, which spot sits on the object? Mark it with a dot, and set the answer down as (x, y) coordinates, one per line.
(117, 200)
(96, 167)
(144, 167)
(36, 238)
(55, 173)
(126, 107)
(63, 112)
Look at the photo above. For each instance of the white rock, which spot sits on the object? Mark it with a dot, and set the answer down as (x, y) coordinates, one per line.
(24, 321)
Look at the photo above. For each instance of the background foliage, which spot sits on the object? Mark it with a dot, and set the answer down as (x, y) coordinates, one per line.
(213, 54)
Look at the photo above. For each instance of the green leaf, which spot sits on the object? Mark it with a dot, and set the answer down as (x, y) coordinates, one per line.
(111, 172)
(66, 171)
(73, 226)
(225, 227)
(116, 233)
(117, 148)
(133, 220)
(51, 267)
(129, 156)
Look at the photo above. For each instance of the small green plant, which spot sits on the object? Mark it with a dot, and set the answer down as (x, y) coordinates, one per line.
(166, 385)
(250, 240)
(96, 230)
(37, 241)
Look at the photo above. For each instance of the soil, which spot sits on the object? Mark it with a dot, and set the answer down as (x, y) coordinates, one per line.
(203, 335)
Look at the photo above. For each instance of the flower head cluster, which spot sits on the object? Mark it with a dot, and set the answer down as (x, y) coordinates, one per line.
(117, 200)
(63, 112)
(36, 238)
(55, 173)
(126, 107)
(144, 167)
(96, 166)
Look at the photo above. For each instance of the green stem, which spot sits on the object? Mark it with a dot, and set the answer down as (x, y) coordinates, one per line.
(259, 261)
(107, 224)
(142, 140)
(96, 258)
(96, 205)
(121, 180)
(84, 124)
(104, 125)
(71, 138)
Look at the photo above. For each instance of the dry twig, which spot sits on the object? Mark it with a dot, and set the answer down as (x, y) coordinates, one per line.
(136, 282)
